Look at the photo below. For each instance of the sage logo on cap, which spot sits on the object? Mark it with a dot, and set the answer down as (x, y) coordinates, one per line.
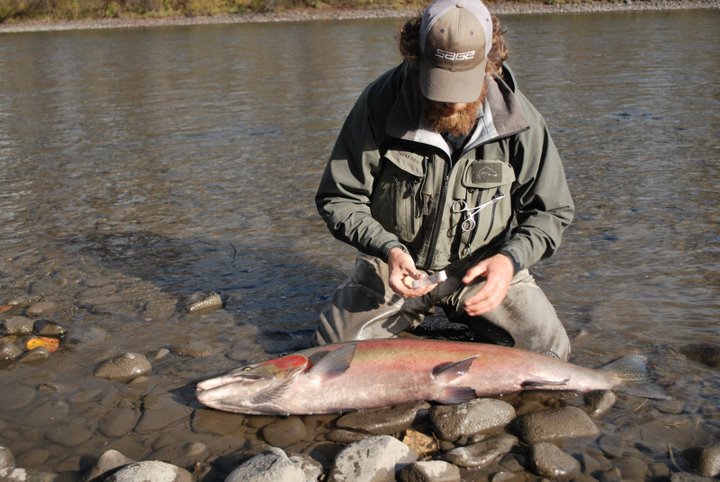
(455, 38)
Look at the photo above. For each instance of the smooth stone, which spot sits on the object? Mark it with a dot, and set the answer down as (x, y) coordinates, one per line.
(284, 432)
(555, 424)
(41, 308)
(272, 465)
(49, 412)
(48, 328)
(26, 475)
(18, 325)
(374, 459)
(453, 421)
(483, 453)
(119, 421)
(109, 460)
(383, 421)
(71, 434)
(33, 457)
(709, 465)
(9, 350)
(160, 411)
(632, 468)
(345, 436)
(217, 423)
(7, 460)
(124, 367)
(430, 471)
(312, 469)
(38, 354)
(599, 402)
(551, 462)
(153, 470)
(19, 397)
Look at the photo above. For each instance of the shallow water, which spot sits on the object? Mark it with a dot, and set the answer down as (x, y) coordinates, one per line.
(141, 166)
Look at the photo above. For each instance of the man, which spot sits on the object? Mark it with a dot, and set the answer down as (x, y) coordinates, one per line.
(443, 164)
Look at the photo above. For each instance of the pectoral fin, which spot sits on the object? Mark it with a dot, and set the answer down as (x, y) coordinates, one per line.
(334, 363)
(540, 384)
(447, 372)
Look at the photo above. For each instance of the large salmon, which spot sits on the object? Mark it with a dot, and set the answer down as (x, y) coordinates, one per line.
(378, 373)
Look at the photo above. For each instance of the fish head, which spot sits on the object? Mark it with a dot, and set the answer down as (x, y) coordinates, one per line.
(253, 389)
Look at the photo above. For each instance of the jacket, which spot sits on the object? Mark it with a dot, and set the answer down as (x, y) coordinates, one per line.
(390, 182)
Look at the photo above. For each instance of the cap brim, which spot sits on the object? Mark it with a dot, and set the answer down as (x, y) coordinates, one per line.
(459, 87)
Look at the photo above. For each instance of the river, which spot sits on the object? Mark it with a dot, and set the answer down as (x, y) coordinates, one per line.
(142, 166)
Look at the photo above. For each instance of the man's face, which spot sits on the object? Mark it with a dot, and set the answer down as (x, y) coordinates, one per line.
(448, 118)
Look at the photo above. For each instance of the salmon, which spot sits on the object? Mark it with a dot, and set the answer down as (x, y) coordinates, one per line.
(384, 372)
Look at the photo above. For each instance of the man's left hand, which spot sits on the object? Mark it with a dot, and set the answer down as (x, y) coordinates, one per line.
(498, 272)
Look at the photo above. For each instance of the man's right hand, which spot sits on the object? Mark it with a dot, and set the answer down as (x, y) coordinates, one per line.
(402, 267)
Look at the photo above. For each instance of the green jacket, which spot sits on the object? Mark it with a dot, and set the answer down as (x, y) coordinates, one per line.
(390, 182)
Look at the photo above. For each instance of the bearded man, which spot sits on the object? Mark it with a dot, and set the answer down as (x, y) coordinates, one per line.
(444, 165)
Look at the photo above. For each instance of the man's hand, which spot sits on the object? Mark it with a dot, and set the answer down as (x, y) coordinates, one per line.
(402, 267)
(498, 272)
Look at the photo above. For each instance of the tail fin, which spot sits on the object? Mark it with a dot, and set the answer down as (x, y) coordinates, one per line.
(633, 371)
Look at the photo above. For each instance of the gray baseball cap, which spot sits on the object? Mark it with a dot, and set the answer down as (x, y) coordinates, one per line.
(455, 39)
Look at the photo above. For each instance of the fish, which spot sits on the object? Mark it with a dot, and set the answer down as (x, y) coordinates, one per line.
(379, 373)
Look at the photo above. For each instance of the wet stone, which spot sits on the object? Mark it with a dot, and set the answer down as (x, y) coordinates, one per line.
(160, 411)
(312, 469)
(151, 470)
(284, 432)
(7, 460)
(705, 353)
(33, 457)
(124, 367)
(41, 308)
(108, 461)
(454, 421)
(345, 436)
(191, 350)
(272, 465)
(483, 453)
(49, 412)
(217, 423)
(18, 397)
(119, 421)
(48, 328)
(383, 421)
(18, 325)
(612, 445)
(599, 402)
(26, 475)
(36, 355)
(377, 458)
(87, 335)
(9, 350)
(632, 468)
(555, 424)
(709, 465)
(430, 471)
(551, 462)
(71, 434)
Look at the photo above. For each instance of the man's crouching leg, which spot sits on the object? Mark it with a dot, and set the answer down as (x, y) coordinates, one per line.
(364, 307)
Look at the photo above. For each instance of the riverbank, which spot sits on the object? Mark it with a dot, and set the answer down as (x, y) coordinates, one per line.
(297, 15)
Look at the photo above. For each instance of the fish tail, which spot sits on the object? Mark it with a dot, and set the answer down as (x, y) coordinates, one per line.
(634, 373)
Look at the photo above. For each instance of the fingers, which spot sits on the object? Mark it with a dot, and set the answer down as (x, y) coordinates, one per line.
(498, 273)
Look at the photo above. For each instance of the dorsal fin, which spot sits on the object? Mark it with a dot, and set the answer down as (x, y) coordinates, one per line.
(447, 372)
(334, 363)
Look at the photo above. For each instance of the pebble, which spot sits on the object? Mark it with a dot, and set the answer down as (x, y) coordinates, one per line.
(483, 453)
(26, 475)
(383, 421)
(49, 412)
(159, 411)
(33, 457)
(551, 462)
(555, 424)
(599, 402)
(709, 465)
(19, 397)
(119, 421)
(48, 328)
(71, 434)
(109, 460)
(41, 308)
(34, 355)
(124, 367)
(632, 468)
(216, 422)
(272, 465)
(429, 471)
(345, 436)
(7, 460)
(374, 459)
(312, 469)
(9, 350)
(18, 325)
(153, 470)
(284, 432)
(453, 421)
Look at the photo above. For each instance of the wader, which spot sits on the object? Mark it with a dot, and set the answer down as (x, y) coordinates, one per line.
(364, 307)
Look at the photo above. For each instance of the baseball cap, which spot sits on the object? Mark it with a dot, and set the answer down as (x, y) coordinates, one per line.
(455, 38)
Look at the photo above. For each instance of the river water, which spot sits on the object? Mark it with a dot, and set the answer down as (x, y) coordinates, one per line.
(142, 166)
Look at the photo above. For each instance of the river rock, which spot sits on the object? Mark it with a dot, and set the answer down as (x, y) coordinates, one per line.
(705, 353)
(284, 432)
(49, 412)
(430, 471)
(272, 465)
(551, 462)
(18, 325)
(632, 468)
(555, 424)
(598, 402)
(48, 328)
(453, 421)
(345, 436)
(709, 465)
(9, 350)
(35, 355)
(217, 422)
(151, 470)
(109, 460)
(26, 475)
(41, 308)
(312, 469)
(159, 411)
(71, 434)
(7, 461)
(119, 421)
(18, 397)
(483, 453)
(383, 421)
(375, 459)
(124, 367)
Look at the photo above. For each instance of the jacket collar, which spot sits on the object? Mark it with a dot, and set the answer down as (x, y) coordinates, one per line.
(502, 114)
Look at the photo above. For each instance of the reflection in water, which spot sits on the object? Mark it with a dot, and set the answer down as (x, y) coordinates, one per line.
(141, 166)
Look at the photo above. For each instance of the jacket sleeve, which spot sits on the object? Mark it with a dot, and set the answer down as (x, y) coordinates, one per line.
(343, 198)
(542, 202)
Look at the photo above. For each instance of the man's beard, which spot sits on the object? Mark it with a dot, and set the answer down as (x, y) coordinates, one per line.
(459, 123)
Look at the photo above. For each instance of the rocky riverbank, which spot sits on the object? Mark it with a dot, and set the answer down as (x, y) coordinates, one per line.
(500, 8)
